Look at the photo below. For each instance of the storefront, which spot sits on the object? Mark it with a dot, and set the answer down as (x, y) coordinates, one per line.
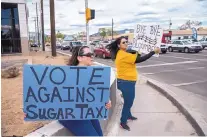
(14, 37)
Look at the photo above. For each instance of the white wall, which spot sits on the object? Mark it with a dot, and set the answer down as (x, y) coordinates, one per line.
(176, 37)
(22, 20)
(23, 28)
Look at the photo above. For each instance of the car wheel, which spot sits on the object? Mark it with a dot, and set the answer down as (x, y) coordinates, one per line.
(196, 51)
(203, 47)
(95, 55)
(186, 50)
(104, 56)
(170, 49)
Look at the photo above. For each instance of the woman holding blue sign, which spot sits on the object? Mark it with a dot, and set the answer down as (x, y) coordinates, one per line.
(127, 74)
(82, 56)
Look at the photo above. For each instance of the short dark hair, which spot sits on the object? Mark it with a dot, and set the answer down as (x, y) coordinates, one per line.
(73, 61)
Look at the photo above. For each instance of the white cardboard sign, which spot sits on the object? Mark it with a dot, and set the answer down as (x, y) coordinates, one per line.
(147, 38)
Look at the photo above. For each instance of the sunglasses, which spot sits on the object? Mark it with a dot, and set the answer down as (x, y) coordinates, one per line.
(87, 55)
(125, 42)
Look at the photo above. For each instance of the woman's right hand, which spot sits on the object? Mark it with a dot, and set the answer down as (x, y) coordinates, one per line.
(157, 50)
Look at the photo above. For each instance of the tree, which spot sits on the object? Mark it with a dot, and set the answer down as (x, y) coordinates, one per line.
(109, 32)
(59, 35)
(102, 32)
(47, 39)
(189, 24)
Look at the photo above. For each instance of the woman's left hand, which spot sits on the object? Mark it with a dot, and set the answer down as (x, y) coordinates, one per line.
(108, 105)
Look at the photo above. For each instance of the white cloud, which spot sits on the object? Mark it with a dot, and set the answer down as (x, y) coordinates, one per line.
(126, 13)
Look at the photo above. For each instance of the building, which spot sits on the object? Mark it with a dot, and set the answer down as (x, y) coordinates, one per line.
(14, 27)
(187, 34)
(176, 34)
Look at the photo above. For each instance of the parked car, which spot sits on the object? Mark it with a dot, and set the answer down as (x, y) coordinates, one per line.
(95, 42)
(184, 46)
(33, 45)
(102, 51)
(203, 42)
(104, 43)
(58, 45)
(65, 45)
(163, 48)
(47, 44)
(73, 44)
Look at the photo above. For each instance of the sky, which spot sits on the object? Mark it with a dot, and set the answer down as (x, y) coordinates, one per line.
(70, 14)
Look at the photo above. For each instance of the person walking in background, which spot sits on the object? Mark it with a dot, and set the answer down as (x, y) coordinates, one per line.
(125, 63)
(82, 56)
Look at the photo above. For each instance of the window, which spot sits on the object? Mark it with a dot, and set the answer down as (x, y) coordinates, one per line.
(65, 43)
(186, 42)
(71, 44)
(179, 43)
(174, 42)
(10, 33)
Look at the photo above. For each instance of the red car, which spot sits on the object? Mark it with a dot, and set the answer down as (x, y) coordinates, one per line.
(102, 51)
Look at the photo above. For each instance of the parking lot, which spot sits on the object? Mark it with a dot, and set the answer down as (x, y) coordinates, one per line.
(187, 71)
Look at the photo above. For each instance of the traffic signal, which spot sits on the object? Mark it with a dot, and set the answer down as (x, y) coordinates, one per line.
(90, 14)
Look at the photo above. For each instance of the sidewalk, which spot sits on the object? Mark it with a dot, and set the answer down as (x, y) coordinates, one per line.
(157, 116)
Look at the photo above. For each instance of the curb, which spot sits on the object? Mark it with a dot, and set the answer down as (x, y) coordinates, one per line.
(178, 104)
(112, 128)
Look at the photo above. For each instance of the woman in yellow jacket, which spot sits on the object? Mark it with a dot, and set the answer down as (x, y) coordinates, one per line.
(125, 62)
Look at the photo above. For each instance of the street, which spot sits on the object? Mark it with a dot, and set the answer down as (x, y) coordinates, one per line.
(185, 71)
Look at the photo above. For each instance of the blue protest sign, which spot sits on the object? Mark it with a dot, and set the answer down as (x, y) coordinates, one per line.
(65, 92)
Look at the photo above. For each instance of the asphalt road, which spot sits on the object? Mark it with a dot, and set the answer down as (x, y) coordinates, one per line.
(187, 71)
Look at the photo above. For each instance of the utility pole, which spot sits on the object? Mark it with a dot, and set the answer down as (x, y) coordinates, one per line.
(42, 23)
(37, 27)
(52, 27)
(112, 30)
(87, 25)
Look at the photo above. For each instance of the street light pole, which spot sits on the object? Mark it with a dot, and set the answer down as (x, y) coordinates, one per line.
(52, 27)
(87, 24)
(35, 30)
(42, 23)
(37, 26)
(112, 30)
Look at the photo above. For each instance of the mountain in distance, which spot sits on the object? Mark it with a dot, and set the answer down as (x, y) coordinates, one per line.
(118, 32)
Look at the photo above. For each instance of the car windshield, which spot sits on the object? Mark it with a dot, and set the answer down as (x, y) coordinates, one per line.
(105, 42)
(65, 43)
(95, 41)
(186, 42)
(202, 39)
(77, 43)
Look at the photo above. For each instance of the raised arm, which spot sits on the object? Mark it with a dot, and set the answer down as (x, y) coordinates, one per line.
(140, 58)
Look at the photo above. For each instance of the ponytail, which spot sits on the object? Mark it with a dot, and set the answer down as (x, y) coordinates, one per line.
(113, 47)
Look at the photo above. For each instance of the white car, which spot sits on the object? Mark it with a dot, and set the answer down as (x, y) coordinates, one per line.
(194, 42)
(163, 47)
(184, 46)
(203, 42)
(65, 45)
